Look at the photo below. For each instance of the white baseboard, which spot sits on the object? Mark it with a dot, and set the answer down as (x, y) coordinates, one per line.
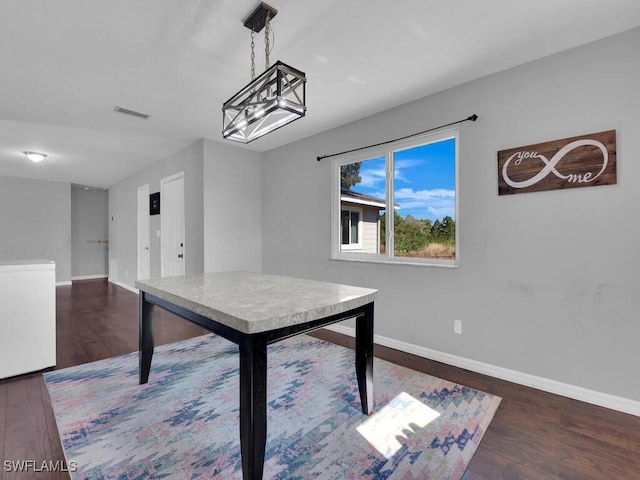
(89, 277)
(63, 284)
(552, 386)
(125, 286)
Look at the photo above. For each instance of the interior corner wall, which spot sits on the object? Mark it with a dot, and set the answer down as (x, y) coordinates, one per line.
(232, 208)
(547, 283)
(123, 215)
(35, 216)
(89, 230)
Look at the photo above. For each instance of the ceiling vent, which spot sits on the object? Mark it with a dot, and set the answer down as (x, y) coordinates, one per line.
(132, 112)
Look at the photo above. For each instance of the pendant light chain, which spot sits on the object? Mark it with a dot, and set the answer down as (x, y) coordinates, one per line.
(267, 41)
(267, 47)
(253, 55)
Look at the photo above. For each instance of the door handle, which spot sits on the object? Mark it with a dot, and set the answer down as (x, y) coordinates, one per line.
(180, 255)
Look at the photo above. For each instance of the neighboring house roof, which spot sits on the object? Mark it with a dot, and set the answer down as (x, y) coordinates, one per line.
(347, 195)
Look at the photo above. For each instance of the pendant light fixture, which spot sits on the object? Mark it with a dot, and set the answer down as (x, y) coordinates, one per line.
(270, 101)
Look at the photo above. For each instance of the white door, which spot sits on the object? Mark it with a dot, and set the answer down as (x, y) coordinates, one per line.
(172, 225)
(144, 254)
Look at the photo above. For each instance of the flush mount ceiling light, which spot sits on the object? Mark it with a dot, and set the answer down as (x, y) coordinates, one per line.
(35, 157)
(270, 101)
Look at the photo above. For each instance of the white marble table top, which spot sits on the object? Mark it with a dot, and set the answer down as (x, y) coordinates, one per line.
(254, 303)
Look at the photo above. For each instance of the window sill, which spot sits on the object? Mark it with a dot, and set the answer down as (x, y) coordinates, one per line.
(409, 262)
(352, 247)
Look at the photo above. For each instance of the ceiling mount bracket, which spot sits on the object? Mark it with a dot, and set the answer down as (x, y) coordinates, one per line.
(257, 20)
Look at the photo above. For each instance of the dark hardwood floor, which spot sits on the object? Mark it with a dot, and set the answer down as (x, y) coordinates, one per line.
(534, 435)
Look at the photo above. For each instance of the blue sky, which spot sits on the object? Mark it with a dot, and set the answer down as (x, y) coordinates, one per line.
(424, 180)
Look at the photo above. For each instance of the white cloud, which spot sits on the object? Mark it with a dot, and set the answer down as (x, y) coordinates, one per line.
(372, 177)
(435, 203)
(400, 165)
(410, 194)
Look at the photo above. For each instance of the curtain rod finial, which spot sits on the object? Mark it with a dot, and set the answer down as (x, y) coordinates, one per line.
(473, 117)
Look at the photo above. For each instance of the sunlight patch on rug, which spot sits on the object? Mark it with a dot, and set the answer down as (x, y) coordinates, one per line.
(184, 422)
(395, 421)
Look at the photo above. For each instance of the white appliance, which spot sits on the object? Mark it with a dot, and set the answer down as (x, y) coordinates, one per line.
(27, 316)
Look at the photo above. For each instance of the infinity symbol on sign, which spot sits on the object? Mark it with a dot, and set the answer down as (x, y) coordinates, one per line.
(550, 165)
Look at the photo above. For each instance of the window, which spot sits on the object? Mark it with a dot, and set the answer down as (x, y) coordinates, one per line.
(350, 227)
(398, 204)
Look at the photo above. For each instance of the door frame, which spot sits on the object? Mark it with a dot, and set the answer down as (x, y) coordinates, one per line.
(143, 190)
(163, 182)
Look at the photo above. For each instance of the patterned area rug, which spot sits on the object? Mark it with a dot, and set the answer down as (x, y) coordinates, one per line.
(184, 423)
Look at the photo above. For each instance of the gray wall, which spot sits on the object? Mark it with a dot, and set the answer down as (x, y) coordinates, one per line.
(232, 206)
(35, 219)
(223, 226)
(89, 223)
(123, 214)
(548, 282)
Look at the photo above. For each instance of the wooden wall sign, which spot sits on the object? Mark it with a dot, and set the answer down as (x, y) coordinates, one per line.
(584, 161)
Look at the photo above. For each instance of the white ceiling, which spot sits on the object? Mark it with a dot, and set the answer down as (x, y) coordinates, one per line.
(66, 64)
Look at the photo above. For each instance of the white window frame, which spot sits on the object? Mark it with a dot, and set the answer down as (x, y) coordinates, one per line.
(387, 151)
(358, 244)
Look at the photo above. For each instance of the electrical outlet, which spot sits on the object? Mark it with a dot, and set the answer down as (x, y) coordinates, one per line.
(457, 327)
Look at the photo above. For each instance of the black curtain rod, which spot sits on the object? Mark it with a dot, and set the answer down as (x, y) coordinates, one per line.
(471, 118)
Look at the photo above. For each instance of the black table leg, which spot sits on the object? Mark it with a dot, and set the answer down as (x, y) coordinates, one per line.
(253, 405)
(364, 358)
(145, 318)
